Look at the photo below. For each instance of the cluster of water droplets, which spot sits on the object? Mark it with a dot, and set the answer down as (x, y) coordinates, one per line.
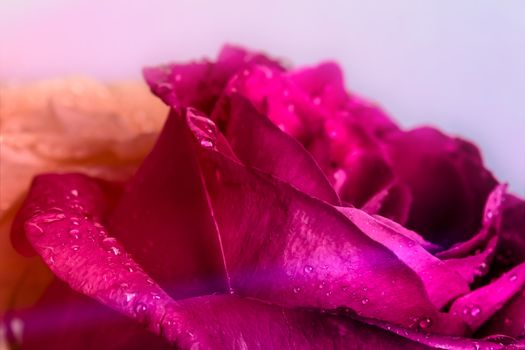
(203, 128)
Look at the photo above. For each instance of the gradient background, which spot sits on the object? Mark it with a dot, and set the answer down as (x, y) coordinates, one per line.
(459, 65)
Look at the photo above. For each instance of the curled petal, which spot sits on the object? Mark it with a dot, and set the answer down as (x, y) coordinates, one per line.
(441, 283)
(480, 305)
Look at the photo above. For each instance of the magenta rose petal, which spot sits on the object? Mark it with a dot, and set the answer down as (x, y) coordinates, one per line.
(448, 181)
(324, 84)
(441, 283)
(431, 247)
(490, 227)
(436, 341)
(66, 231)
(288, 248)
(510, 320)
(164, 219)
(261, 144)
(393, 203)
(480, 305)
(76, 247)
(475, 265)
(345, 150)
(512, 239)
(64, 319)
(199, 84)
(247, 324)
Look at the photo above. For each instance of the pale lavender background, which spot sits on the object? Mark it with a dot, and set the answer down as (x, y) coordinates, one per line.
(458, 64)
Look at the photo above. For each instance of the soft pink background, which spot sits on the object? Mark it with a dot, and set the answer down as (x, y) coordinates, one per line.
(459, 65)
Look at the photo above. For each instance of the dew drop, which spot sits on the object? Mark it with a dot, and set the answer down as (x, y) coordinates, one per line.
(141, 309)
(329, 293)
(473, 311)
(38, 230)
(322, 285)
(74, 233)
(51, 217)
(489, 214)
(129, 296)
(75, 248)
(364, 301)
(297, 290)
(74, 193)
(109, 244)
(207, 143)
(513, 278)
(308, 269)
(425, 323)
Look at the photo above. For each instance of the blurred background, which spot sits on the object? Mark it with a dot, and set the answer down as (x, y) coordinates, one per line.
(459, 65)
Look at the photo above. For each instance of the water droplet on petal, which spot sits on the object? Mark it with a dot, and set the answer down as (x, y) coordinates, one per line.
(297, 290)
(364, 301)
(207, 143)
(513, 277)
(328, 293)
(141, 309)
(51, 217)
(425, 323)
(75, 248)
(129, 296)
(322, 285)
(489, 214)
(308, 269)
(110, 245)
(74, 193)
(74, 233)
(473, 311)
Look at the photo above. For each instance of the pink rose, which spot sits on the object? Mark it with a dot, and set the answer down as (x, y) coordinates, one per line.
(276, 210)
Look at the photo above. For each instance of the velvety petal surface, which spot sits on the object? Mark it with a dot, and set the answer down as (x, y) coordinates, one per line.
(259, 143)
(480, 305)
(442, 284)
(448, 182)
(199, 84)
(285, 247)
